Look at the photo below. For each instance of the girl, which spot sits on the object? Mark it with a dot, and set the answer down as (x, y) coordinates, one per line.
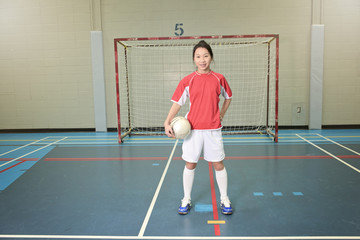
(203, 88)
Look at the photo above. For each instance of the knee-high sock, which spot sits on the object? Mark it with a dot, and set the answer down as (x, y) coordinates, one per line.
(188, 180)
(222, 181)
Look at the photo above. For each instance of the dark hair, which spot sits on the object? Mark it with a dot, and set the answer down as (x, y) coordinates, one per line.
(203, 44)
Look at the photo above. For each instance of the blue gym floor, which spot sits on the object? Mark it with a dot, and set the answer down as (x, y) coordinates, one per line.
(87, 186)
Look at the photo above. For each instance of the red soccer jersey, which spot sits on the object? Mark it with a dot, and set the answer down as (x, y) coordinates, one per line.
(203, 91)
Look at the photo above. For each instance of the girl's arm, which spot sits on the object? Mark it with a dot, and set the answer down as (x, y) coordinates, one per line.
(224, 108)
(175, 108)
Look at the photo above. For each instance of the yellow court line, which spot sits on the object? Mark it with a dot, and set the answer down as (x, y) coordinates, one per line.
(216, 221)
(160, 138)
(252, 137)
(226, 138)
(93, 139)
(22, 140)
(51, 140)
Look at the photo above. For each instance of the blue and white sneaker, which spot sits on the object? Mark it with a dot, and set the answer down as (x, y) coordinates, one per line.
(185, 207)
(225, 206)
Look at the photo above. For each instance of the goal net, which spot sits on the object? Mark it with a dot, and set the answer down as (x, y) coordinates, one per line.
(149, 69)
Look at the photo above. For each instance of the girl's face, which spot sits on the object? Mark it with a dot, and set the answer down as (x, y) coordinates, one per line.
(202, 60)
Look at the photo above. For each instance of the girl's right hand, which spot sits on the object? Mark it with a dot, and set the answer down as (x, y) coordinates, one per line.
(168, 130)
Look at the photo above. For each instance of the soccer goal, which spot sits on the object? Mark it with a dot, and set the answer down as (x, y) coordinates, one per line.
(149, 69)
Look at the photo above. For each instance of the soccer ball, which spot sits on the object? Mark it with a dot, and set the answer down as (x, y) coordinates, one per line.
(181, 127)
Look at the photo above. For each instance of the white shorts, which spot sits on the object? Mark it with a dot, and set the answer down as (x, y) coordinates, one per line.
(209, 141)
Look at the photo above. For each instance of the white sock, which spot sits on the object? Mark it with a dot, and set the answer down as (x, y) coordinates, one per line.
(188, 180)
(222, 181)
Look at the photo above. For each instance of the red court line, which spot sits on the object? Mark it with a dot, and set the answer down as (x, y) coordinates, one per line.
(22, 159)
(349, 156)
(179, 158)
(12, 166)
(276, 157)
(213, 198)
(106, 159)
(291, 157)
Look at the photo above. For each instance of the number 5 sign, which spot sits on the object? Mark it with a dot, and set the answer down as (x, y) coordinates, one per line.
(178, 29)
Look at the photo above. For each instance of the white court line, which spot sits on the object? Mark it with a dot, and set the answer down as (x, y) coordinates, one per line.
(147, 217)
(23, 146)
(339, 144)
(328, 153)
(32, 152)
(90, 143)
(181, 237)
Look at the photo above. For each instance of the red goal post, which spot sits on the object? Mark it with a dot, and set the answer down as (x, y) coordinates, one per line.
(148, 70)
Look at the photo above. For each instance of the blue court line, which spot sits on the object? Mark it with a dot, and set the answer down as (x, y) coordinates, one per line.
(13, 166)
(258, 194)
(298, 194)
(203, 208)
(278, 194)
(93, 138)
(9, 176)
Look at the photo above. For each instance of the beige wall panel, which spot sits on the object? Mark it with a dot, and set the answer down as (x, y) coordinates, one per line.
(44, 46)
(45, 60)
(341, 62)
(291, 19)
